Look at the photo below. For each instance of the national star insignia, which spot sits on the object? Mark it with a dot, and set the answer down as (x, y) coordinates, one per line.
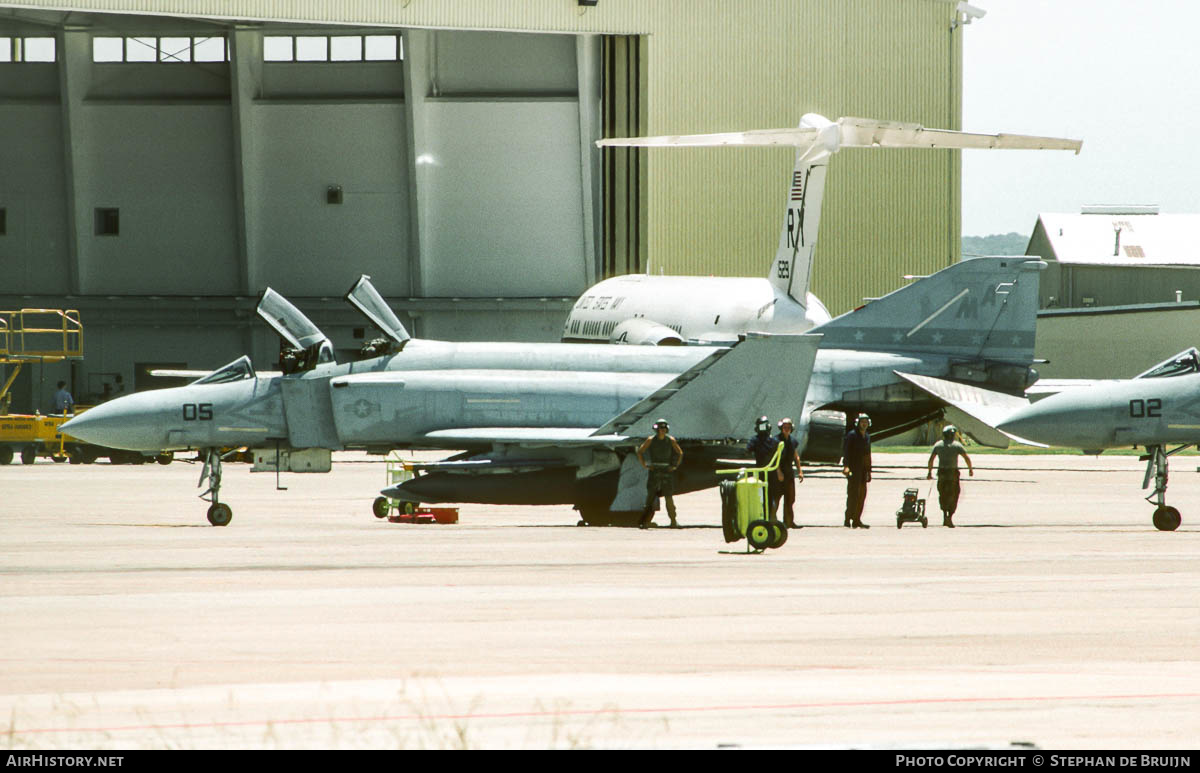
(896, 337)
(937, 338)
(858, 336)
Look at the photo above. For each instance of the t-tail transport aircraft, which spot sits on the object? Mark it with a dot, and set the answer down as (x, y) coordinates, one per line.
(674, 310)
(559, 423)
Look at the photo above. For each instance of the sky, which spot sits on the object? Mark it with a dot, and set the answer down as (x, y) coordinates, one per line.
(1121, 75)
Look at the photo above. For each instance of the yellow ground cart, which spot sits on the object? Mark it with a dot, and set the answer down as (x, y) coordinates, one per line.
(29, 336)
(746, 507)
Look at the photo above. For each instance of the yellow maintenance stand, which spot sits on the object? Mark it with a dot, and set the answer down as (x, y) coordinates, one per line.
(29, 336)
(746, 507)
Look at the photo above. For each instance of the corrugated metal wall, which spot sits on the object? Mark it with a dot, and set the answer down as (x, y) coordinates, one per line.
(715, 66)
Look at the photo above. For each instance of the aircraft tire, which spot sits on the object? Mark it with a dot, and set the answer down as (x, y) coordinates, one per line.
(780, 534)
(220, 515)
(729, 528)
(379, 508)
(759, 534)
(165, 458)
(1167, 518)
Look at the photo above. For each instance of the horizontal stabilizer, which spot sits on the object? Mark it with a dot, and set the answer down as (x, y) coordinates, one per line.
(853, 133)
(973, 409)
(195, 374)
(720, 397)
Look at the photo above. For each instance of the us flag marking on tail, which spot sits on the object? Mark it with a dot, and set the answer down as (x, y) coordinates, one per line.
(797, 186)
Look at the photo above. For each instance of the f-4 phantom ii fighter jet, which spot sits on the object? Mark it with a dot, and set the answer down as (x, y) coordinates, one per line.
(1155, 410)
(558, 423)
(541, 423)
(674, 310)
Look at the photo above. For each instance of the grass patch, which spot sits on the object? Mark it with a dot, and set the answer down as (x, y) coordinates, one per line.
(1020, 450)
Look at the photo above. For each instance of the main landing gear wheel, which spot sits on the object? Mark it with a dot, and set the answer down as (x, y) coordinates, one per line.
(1167, 518)
(380, 507)
(601, 516)
(760, 534)
(220, 514)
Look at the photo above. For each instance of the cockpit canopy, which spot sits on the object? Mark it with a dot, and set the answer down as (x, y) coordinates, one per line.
(238, 370)
(1187, 361)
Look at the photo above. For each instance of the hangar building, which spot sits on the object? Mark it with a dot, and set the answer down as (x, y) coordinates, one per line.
(1114, 273)
(162, 161)
(1099, 257)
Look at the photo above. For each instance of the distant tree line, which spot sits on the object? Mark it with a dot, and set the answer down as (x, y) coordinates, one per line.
(996, 244)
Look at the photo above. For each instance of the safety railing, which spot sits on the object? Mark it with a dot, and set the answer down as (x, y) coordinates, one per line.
(47, 334)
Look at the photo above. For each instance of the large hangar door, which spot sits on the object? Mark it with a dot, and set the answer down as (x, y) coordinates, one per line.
(624, 172)
(506, 191)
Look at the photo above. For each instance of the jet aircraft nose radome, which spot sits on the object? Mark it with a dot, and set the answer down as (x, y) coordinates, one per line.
(128, 423)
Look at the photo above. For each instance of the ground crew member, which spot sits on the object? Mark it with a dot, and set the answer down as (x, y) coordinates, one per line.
(763, 446)
(665, 456)
(786, 474)
(856, 466)
(63, 402)
(947, 450)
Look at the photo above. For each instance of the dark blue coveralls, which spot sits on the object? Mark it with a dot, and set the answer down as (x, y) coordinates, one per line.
(856, 455)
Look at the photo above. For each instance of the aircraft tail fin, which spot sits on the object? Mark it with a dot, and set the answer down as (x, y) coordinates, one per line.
(816, 139)
(714, 400)
(791, 271)
(979, 309)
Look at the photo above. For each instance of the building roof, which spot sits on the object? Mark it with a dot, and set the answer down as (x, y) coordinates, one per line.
(1138, 235)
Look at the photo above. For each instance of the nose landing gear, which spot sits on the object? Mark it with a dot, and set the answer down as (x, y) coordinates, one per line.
(1166, 518)
(218, 514)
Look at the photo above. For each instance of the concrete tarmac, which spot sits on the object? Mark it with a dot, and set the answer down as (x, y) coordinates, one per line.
(1055, 615)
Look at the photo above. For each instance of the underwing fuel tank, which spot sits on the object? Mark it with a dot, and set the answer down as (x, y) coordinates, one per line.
(547, 486)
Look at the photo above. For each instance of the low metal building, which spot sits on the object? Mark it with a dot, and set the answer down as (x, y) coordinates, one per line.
(1117, 256)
